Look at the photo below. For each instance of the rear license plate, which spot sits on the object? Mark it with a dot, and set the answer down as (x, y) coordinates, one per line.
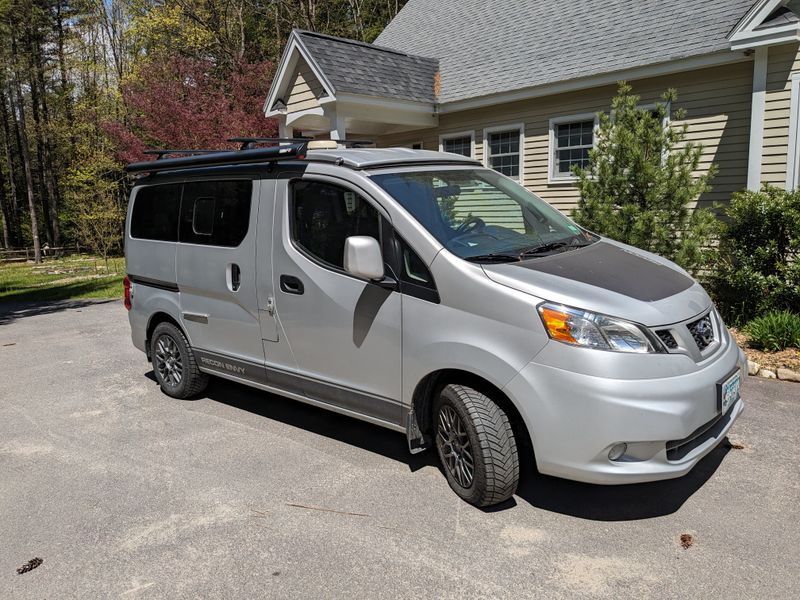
(728, 392)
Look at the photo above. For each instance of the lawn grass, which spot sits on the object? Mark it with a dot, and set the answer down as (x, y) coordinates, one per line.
(73, 277)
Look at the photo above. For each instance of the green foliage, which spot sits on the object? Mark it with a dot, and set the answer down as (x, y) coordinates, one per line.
(642, 179)
(775, 330)
(94, 199)
(757, 264)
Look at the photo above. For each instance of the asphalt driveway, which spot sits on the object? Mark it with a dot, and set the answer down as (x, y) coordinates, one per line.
(127, 493)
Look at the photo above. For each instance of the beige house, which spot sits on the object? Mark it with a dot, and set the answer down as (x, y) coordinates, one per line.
(517, 84)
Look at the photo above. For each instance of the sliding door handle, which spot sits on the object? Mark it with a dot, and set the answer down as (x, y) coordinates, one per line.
(291, 285)
(233, 277)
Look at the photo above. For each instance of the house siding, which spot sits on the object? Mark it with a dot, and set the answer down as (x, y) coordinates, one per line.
(782, 62)
(305, 89)
(717, 101)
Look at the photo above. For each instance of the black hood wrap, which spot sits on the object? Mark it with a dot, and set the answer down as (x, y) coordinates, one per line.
(615, 269)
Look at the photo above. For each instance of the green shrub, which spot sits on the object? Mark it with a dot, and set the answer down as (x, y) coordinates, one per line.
(775, 331)
(757, 264)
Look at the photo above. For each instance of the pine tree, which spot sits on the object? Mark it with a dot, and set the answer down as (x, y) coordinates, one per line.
(642, 180)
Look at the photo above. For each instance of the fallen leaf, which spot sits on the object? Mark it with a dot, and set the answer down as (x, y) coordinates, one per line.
(30, 565)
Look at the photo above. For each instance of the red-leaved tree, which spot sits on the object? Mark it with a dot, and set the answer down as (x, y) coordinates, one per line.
(180, 102)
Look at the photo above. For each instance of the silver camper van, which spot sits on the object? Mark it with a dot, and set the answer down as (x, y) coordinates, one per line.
(427, 294)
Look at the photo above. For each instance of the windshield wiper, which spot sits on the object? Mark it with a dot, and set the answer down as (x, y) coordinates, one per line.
(549, 247)
(493, 258)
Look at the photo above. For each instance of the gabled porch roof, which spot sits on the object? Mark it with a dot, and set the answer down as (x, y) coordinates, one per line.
(328, 84)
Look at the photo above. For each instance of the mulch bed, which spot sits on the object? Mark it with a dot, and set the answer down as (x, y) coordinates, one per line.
(788, 359)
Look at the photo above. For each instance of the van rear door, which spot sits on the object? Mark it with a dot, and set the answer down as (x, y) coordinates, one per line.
(217, 274)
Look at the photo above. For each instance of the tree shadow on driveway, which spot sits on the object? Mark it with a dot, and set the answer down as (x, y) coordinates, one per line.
(580, 500)
(12, 311)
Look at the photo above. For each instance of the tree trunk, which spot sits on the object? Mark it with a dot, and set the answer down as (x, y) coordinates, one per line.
(4, 213)
(48, 172)
(26, 158)
(62, 67)
(38, 168)
(13, 202)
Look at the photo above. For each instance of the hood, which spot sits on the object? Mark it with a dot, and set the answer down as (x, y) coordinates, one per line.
(609, 278)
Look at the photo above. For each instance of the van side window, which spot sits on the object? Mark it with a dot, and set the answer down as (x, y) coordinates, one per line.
(325, 215)
(215, 213)
(155, 213)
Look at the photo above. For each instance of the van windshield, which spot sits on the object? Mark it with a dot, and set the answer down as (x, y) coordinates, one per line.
(480, 215)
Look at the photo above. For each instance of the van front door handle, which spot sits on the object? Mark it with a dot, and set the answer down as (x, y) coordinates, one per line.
(291, 285)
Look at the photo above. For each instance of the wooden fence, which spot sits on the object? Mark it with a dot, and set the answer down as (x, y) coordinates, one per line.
(26, 254)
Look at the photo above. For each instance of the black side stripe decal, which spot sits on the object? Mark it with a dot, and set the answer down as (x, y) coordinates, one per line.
(385, 409)
(154, 283)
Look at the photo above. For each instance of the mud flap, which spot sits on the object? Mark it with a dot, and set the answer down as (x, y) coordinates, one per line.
(417, 441)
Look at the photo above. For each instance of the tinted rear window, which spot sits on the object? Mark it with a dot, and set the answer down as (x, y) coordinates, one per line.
(215, 213)
(155, 213)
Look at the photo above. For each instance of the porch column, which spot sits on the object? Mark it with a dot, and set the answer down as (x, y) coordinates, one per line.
(337, 123)
(284, 130)
(755, 153)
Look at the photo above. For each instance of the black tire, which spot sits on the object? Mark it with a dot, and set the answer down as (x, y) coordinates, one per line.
(174, 363)
(487, 429)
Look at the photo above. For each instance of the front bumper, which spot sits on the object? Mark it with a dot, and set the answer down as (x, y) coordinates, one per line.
(575, 418)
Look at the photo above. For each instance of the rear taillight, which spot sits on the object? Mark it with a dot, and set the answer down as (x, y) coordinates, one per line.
(127, 284)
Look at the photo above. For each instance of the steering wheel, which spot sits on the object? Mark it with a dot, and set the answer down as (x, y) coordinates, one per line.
(470, 225)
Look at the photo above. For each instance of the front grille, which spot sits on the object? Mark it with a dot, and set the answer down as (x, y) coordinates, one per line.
(666, 337)
(702, 331)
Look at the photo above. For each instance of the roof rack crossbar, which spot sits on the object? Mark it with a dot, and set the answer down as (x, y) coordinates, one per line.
(162, 153)
(251, 142)
(221, 157)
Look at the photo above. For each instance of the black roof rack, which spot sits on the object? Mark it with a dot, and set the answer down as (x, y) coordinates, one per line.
(220, 157)
(251, 142)
(247, 142)
(162, 153)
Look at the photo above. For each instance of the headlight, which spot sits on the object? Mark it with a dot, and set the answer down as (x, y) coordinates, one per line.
(583, 328)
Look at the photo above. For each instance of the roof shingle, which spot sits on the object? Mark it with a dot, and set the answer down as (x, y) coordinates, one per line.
(367, 69)
(490, 47)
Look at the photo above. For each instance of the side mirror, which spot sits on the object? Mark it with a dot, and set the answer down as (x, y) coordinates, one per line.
(363, 258)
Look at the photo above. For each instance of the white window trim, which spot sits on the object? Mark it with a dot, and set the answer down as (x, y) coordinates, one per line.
(507, 127)
(793, 151)
(554, 178)
(419, 143)
(652, 106)
(459, 134)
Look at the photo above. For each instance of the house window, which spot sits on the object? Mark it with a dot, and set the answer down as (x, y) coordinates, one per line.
(503, 150)
(416, 146)
(571, 138)
(458, 143)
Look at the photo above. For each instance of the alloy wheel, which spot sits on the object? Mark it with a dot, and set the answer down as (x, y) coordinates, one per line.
(168, 361)
(455, 447)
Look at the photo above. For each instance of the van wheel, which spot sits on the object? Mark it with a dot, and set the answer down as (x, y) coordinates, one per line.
(476, 446)
(174, 364)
